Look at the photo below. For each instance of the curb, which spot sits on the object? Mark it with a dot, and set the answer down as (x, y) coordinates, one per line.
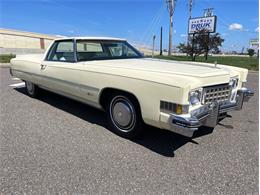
(4, 65)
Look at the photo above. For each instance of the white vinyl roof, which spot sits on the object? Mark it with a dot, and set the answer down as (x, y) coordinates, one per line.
(93, 38)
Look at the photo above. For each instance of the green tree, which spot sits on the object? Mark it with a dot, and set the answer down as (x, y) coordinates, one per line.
(251, 52)
(201, 43)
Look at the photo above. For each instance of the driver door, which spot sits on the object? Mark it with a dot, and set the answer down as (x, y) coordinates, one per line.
(60, 72)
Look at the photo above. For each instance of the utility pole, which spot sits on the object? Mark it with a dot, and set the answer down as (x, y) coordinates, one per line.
(161, 42)
(153, 45)
(171, 7)
(190, 15)
(190, 8)
(243, 49)
(208, 12)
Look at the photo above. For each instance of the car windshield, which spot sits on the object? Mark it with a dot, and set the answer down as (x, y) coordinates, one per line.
(104, 50)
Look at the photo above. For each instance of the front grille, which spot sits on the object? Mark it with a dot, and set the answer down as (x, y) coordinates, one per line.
(219, 93)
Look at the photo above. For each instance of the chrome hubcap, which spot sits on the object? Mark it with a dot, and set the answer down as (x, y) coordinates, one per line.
(122, 113)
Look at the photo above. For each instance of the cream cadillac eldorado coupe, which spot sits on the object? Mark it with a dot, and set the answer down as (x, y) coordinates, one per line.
(110, 74)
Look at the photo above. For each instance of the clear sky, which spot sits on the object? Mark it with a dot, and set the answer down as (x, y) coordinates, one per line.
(136, 20)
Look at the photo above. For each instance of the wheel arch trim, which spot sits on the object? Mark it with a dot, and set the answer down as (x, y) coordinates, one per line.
(102, 92)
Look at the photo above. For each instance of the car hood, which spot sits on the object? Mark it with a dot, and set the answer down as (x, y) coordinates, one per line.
(174, 73)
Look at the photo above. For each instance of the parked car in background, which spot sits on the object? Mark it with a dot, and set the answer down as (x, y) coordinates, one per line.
(111, 75)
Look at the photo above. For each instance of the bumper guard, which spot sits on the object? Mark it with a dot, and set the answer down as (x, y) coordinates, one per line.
(208, 115)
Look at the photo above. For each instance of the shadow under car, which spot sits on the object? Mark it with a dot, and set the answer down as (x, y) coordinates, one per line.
(157, 140)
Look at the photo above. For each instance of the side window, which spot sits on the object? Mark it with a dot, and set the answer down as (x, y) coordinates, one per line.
(62, 51)
(89, 47)
(89, 50)
(120, 49)
(116, 50)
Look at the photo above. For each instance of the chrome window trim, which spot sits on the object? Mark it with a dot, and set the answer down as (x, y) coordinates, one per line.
(54, 44)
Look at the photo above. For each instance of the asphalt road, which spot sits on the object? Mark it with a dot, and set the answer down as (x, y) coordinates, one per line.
(54, 145)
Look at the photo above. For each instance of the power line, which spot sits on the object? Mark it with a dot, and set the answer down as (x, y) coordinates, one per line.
(154, 23)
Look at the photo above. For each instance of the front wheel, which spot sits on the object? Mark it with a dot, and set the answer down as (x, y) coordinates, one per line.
(124, 116)
(31, 89)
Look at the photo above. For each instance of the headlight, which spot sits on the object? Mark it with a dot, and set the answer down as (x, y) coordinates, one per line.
(195, 97)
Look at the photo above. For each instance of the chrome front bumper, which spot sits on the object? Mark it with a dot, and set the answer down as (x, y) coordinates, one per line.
(207, 115)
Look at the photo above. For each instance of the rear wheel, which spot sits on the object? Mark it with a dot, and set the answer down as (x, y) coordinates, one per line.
(31, 89)
(124, 115)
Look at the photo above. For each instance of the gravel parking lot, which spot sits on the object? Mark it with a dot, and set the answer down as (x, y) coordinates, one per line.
(54, 145)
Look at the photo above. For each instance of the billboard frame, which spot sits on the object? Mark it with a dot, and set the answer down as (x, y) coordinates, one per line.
(215, 24)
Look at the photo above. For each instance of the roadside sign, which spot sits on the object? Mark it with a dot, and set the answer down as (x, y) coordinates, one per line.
(254, 42)
(202, 23)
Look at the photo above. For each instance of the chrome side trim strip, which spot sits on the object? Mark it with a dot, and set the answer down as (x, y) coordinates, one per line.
(60, 80)
(77, 98)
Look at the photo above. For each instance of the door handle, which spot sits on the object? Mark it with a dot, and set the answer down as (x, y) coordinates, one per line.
(43, 67)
